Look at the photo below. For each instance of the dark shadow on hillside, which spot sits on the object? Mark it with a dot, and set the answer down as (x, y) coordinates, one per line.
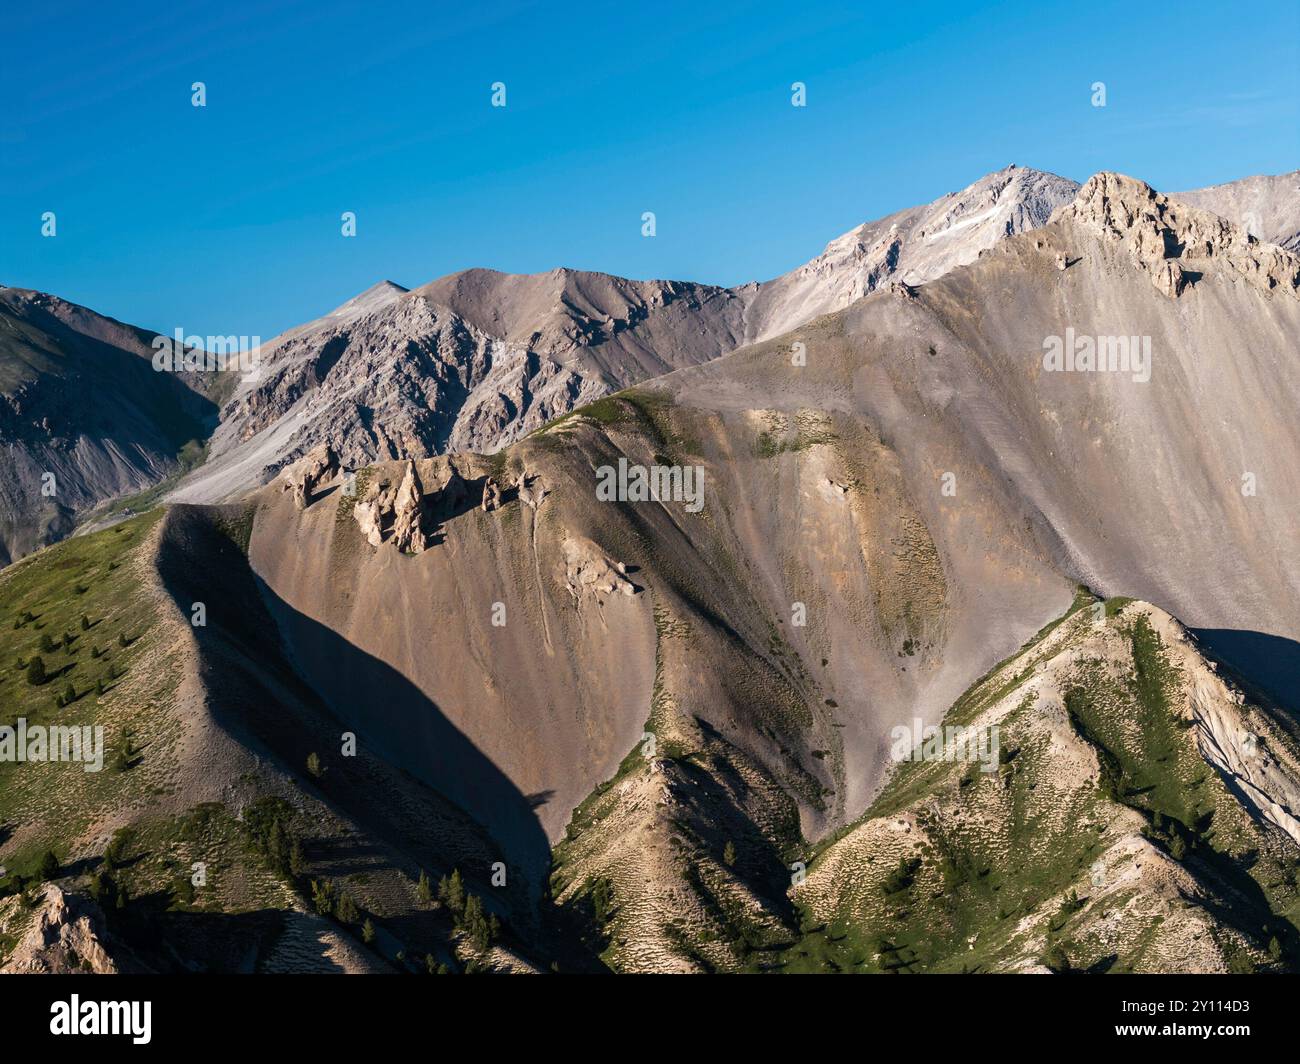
(161, 938)
(398, 721)
(292, 686)
(141, 396)
(1268, 662)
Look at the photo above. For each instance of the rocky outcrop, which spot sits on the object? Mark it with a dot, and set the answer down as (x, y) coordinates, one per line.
(532, 491)
(1163, 237)
(65, 936)
(306, 475)
(369, 515)
(399, 508)
(590, 573)
(408, 516)
(1170, 278)
(491, 496)
(454, 492)
(394, 512)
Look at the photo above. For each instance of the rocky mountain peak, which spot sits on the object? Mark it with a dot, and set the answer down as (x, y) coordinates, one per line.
(1166, 238)
(915, 245)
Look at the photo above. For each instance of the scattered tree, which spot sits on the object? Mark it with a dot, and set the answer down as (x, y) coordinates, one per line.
(36, 671)
(346, 910)
(277, 846)
(102, 887)
(322, 896)
(48, 867)
(602, 899)
(901, 877)
(475, 924)
(182, 889)
(313, 765)
(116, 848)
(451, 891)
(729, 854)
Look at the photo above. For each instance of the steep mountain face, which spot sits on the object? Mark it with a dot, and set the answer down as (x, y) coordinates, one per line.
(83, 416)
(1267, 206)
(966, 379)
(882, 521)
(913, 246)
(469, 362)
(478, 359)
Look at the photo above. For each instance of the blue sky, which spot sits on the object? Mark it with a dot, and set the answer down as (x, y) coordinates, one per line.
(226, 219)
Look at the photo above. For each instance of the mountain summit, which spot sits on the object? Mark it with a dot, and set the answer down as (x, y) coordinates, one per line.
(477, 359)
(913, 246)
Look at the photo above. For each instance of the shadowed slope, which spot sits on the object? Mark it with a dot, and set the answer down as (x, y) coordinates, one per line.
(83, 416)
(268, 692)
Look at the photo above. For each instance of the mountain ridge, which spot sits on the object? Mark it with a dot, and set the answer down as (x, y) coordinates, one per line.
(673, 720)
(476, 359)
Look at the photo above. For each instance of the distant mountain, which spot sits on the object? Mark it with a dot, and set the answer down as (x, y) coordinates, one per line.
(913, 246)
(477, 359)
(1268, 207)
(84, 417)
(472, 361)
